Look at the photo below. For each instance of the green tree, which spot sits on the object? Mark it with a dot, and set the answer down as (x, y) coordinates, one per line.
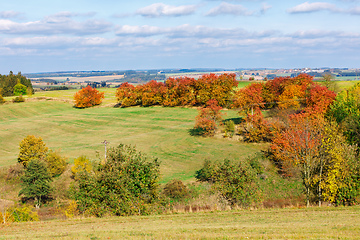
(20, 89)
(31, 148)
(36, 182)
(126, 184)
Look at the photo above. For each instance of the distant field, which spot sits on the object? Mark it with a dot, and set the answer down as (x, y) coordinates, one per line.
(311, 223)
(157, 131)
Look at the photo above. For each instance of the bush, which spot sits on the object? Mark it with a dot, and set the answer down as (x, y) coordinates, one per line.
(23, 213)
(175, 189)
(126, 184)
(18, 99)
(88, 97)
(229, 128)
(2, 100)
(235, 181)
(81, 164)
(20, 89)
(56, 163)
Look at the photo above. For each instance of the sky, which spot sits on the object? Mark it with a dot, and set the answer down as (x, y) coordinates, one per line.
(93, 35)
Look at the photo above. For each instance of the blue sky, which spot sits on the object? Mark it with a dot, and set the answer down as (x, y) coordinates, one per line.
(43, 36)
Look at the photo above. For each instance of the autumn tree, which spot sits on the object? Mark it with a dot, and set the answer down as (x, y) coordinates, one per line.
(128, 95)
(209, 118)
(88, 97)
(32, 148)
(319, 98)
(299, 145)
(256, 128)
(56, 163)
(249, 98)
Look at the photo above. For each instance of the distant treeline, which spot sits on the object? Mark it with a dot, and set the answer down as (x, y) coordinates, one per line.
(8, 82)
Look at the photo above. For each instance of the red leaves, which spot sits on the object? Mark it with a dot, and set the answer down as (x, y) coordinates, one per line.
(319, 98)
(208, 118)
(179, 91)
(88, 97)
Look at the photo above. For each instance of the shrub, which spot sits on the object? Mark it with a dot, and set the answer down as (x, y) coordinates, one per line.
(229, 128)
(175, 189)
(208, 119)
(235, 181)
(2, 100)
(81, 164)
(56, 163)
(23, 213)
(257, 128)
(18, 99)
(126, 184)
(88, 97)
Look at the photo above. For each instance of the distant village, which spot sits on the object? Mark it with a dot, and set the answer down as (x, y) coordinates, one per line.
(115, 78)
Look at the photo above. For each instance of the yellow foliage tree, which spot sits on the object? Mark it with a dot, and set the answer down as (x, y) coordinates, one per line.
(32, 148)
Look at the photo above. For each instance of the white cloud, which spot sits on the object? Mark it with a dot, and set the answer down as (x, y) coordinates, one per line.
(265, 7)
(229, 9)
(9, 14)
(161, 9)
(56, 24)
(307, 7)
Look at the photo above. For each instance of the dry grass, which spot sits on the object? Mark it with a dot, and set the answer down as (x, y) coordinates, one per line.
(312, 223)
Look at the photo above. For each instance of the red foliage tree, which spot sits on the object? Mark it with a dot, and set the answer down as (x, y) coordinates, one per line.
(128, 95)
(88, 97)
(209, 117)
(319, 98)
(152, 93)
(249, 98)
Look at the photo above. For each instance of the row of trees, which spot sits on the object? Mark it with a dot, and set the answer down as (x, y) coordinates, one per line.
(183, 91)
(11, 85)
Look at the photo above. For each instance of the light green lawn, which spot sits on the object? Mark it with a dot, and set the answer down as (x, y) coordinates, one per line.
(157, 131)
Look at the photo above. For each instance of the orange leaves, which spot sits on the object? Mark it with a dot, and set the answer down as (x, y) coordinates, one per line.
(208, 118)
(179, 91)
(88, 97)
(249, 97)
(319, 98)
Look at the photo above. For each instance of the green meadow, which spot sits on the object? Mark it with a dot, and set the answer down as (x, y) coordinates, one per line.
(156, 131)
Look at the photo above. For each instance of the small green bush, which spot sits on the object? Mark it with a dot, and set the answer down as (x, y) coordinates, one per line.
(18, 99)
(176, 189)
(229, 128)
(235, 181)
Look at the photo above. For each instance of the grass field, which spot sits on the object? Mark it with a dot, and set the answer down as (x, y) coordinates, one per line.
(311, 223)
(156, 131)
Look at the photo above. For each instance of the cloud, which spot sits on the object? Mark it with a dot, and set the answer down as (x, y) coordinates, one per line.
(187, 31)
(161, 9)
(313, 7)
(60, 23)
(9, 14)
(265, 7)
(229, 9)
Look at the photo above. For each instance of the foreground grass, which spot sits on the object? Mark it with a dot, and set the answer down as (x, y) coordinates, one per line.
(312, 223)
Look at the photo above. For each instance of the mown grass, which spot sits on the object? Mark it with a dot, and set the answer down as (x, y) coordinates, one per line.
(156, 131)
(311, 223)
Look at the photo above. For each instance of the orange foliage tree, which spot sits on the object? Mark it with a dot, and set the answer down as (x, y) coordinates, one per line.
(299, 145)
(128, 95)
(249, 98)
(208, 119)
(319, 98)
(88, 97)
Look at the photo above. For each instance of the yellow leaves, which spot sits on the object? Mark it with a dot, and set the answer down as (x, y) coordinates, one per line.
(31, 148)
(291, 97)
